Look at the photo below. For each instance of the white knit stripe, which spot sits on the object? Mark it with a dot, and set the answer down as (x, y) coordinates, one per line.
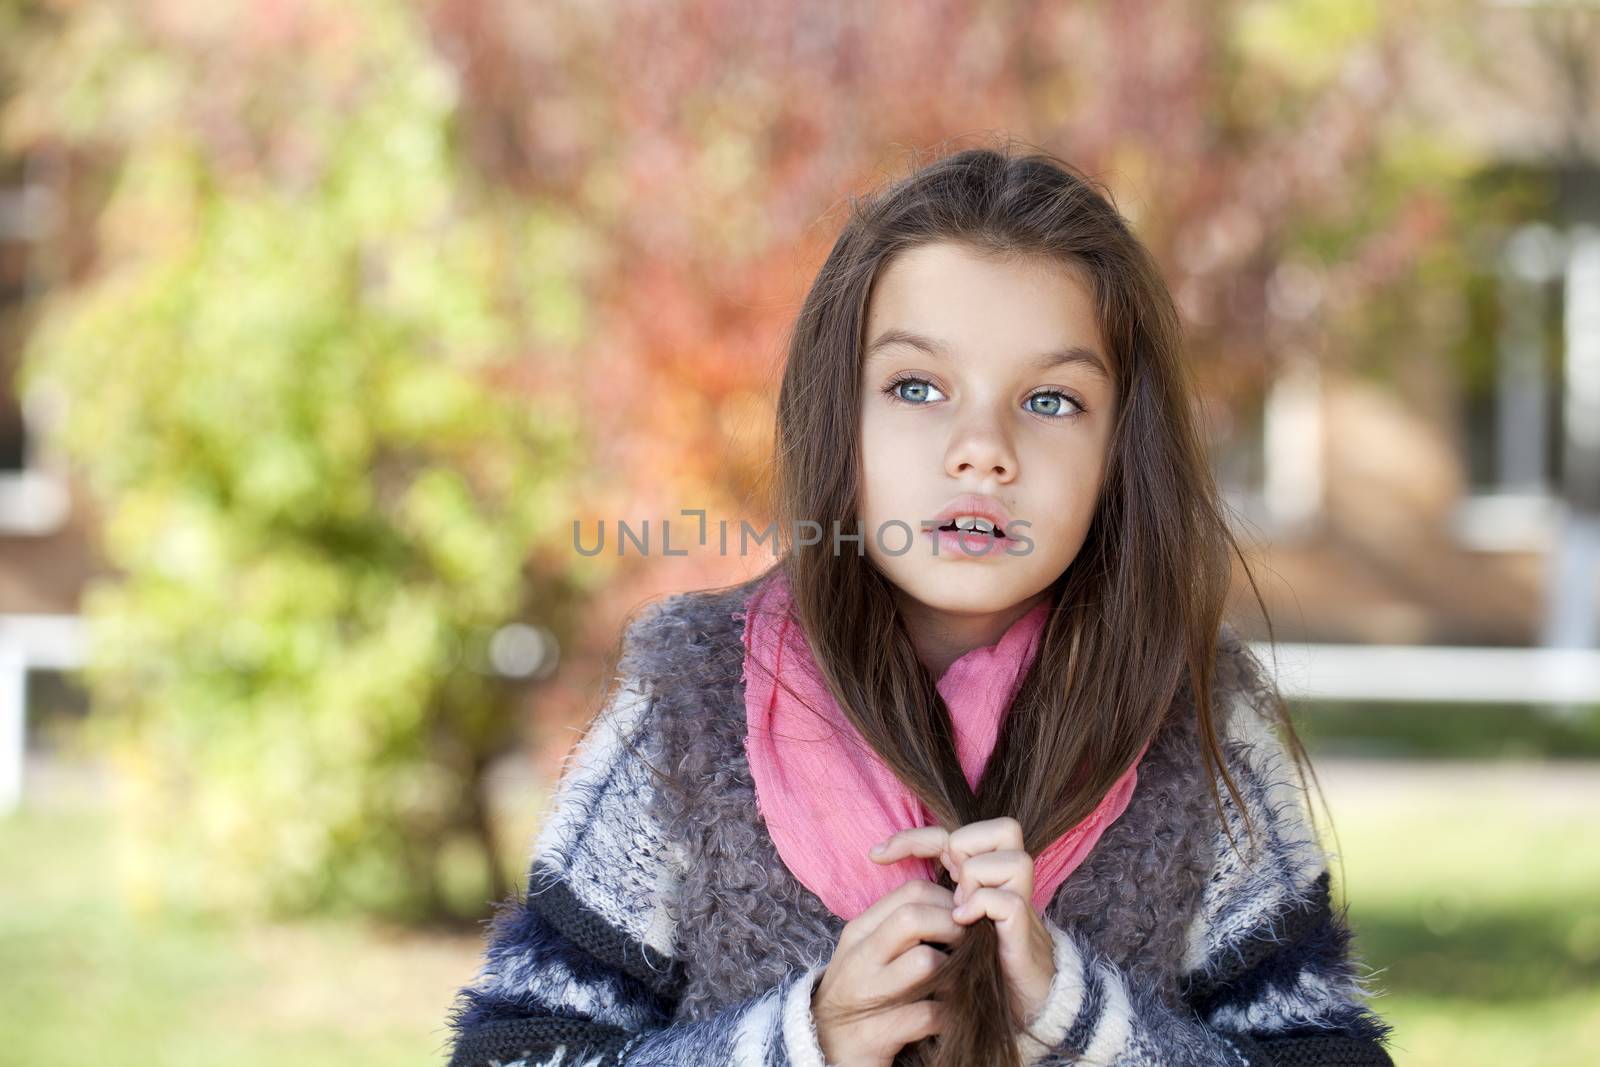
(552, 982)
(1196, 942)
(560, 1057)
(799, 1026)
(591, 760)
(1063, 1001)
(598, 833)
(757, 1029)
(1299, 849)
(597, 1060)
(1241, 897)
(1115, 1025)
(622, 867)
(1307, 1002)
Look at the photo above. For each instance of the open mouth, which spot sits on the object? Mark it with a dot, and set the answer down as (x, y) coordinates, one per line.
(993, 534)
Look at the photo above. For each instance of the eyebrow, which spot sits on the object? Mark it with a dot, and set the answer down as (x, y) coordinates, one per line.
(1072, 354)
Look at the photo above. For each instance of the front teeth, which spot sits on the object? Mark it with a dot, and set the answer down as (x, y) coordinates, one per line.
(970, 522)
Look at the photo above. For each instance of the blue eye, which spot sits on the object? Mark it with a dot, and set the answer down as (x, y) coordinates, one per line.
(1057, 396)
(893, 389)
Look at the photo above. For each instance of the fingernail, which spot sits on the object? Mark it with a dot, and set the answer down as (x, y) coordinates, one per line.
(877, 849)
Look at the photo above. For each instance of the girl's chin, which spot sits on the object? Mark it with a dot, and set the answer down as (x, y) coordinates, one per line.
(960, 590)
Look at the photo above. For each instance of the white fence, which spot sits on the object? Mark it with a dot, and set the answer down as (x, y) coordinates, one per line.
(28, 642)
(1447, 673)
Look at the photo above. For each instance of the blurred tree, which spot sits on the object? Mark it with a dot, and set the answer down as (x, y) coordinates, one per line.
(1264, 150)
(298, 389)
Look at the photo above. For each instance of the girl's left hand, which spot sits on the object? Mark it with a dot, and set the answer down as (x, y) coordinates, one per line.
(994, 879)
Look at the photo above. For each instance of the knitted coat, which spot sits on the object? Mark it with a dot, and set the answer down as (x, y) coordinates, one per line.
(661, 927)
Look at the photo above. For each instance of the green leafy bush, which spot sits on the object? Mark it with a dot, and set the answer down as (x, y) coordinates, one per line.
(287, 389)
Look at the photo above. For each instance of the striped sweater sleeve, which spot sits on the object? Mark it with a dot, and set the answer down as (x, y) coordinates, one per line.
(584, 969)
(1269, 976)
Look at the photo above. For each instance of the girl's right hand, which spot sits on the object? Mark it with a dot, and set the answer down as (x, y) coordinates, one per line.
(879, 954)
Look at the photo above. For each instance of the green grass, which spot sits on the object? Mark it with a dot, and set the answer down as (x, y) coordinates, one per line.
(1481, 911)
(85, 982)
(1430, 731)
(1478, 907)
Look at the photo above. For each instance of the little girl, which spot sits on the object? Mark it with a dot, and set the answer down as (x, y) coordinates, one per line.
(975, 774)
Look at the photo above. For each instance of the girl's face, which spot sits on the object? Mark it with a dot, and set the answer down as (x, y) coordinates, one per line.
(983, 377)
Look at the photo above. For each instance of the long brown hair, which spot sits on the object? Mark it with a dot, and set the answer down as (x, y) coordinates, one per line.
(1137, 612)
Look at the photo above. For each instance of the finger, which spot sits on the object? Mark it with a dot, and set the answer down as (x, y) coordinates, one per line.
(911, 891)
(905, 928)
(926, 841)
(922, 841)
(1009, 911)
(1010, 869)
(987, 835)
(912, 966)
(913, 1022)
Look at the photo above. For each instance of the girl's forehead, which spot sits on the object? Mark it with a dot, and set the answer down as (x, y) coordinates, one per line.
(949, 278)
(944, 303)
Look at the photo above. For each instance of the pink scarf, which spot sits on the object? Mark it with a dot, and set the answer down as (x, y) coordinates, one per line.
(825, 795)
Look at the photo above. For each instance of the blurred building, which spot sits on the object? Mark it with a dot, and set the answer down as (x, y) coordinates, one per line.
(44, 552)
(1461, 504)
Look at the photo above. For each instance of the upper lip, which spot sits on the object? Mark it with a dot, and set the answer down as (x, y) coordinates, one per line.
(975, 504)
